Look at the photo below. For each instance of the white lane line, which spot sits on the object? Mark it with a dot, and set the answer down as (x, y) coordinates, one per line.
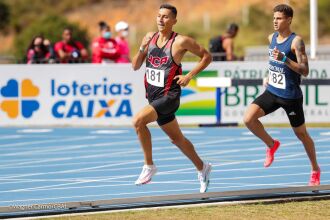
(70, 147)
(53, 165)
(218, 165)
(36, 162)
(162, 151)
(97, 169)
(35, 130)
(71, 171)
(25, 162)
(6, 137)
(189, 181)
(113, 155)
(118, 153)
(128, 176)
(75, 183)
(192, 170)
(119, 143)
(269, 132)
(77, 148)
(91, 169)
(155, 192)
(193, 132)
(325, 133)
(47, 141)
(163, 159)
(110, 132)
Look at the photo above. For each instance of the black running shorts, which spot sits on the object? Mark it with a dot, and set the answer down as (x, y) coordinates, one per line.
(165, 107)
(293, 107)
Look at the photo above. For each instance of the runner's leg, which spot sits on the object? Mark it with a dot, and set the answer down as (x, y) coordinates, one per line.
(145, 116)
(252, 122)
(172, 129)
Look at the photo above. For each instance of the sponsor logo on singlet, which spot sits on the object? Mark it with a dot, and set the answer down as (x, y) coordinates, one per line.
(157, 61)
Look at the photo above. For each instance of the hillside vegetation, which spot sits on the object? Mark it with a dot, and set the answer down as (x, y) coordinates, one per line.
(200, 19)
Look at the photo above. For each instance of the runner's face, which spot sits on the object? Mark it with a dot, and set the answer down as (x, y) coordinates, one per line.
(281, 22)
(165, 19)
(67, 35)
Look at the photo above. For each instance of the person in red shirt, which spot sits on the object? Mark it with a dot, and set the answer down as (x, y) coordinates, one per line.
(104, 48)
(69, 50)
(124, 51)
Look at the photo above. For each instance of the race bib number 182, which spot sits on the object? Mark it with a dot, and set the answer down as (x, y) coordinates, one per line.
(155, 77)
(277, 79)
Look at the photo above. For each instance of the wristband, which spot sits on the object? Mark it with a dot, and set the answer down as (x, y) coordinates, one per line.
(141, 49)
(284, 59)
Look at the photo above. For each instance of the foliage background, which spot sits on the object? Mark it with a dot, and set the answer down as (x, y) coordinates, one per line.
(20, 20)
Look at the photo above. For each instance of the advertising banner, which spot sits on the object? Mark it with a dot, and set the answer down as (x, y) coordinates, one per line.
(110, 95)
(235, 100)
(82, 94)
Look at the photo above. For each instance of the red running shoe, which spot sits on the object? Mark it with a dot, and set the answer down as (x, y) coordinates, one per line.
(315, 178)
(270, 153)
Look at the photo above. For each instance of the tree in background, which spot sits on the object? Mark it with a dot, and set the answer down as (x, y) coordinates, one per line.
(51, 27)
(4, 16)
(324, 21)
(25, 12)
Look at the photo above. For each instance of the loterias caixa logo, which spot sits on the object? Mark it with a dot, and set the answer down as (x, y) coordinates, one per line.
(18, 98)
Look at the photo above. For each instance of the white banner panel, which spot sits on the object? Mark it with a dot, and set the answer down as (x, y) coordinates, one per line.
(82, 94)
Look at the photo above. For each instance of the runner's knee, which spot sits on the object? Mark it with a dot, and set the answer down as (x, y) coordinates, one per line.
(248, 119)
(302, 135)
(138, 122)
(178, 140)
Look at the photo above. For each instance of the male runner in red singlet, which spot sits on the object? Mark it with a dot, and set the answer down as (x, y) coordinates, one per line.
(287, 63)
(163, 52)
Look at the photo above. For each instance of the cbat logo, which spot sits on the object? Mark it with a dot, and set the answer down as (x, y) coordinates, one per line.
(157, 61)
(19, 98)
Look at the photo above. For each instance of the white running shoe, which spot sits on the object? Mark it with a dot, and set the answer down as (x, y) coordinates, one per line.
(147, 172)
(204, 177)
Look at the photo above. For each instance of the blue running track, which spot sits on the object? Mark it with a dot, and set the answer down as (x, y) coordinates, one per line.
(58, 165)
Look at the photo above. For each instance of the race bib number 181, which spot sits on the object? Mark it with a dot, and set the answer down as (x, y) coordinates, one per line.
(277, 79)
(155, 77)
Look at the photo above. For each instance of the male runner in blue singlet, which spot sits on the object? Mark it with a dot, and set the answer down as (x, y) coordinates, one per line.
(163, 51)
(287, 63)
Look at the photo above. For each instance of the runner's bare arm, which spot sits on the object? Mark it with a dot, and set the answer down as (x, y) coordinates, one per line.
(139, 58)
(301, 66)
(189, 44)
(266, 79)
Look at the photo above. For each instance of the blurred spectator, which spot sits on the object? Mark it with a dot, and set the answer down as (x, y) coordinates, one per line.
(122, 34)
(70, 51)
(40, 50)
(222, 47)
(104, 48)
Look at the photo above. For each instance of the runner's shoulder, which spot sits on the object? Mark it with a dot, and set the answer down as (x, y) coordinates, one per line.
(150, 34)
(297, 42)
(297, 38)
(183, 40)
(270, 37)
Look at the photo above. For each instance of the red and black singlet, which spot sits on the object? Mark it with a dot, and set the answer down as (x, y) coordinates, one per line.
(161, 70)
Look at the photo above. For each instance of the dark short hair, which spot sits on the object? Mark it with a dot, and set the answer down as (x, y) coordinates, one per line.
(103, 25)
(285, 9)
(171, 8)
(232, 28)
